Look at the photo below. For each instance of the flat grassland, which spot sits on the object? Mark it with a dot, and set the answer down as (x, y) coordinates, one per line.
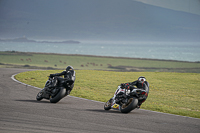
(174, 85)
(175, 93)
(87, 62)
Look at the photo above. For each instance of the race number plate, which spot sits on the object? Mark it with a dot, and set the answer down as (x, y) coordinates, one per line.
(115, 106)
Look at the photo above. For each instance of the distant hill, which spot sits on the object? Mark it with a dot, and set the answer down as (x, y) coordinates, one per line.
(96, 20)
(24, 39)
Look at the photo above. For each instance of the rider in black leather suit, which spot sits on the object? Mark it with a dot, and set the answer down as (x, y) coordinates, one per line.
(68, 80)
(140, 84)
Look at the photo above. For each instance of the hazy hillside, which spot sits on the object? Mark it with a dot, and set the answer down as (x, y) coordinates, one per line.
(96, 20)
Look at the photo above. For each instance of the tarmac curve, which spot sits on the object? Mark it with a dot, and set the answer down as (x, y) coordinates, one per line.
(20, 112)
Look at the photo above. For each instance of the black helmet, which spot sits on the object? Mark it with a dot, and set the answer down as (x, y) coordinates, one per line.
(141, 79)
(69, 68)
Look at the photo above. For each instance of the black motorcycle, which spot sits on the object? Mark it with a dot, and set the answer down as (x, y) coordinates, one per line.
(53, 90)
(125, 101)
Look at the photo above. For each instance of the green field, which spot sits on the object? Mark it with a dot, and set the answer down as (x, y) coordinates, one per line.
(60, 61)
(175, 93)
(174, 85)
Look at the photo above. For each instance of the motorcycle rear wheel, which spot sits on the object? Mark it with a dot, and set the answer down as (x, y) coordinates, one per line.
(130, 105)
(58, 96)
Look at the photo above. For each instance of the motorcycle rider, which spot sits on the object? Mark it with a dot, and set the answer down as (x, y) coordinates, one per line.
(139, 85)
(68, 80)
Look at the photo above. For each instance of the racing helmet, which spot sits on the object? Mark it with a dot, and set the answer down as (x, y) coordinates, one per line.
(141, 79)
(69, 68)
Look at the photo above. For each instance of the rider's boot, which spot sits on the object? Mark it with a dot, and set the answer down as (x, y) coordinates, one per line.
(139, 105)
(68, 92)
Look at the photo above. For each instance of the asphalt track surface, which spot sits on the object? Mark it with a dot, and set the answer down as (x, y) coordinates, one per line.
(20, 113)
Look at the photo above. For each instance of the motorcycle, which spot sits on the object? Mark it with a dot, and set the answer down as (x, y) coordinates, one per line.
(125, 100)
(52, 91)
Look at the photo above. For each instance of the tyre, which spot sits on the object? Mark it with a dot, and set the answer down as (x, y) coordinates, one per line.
(107, 105)
(58, 96)
(40, 95)
(130, 105)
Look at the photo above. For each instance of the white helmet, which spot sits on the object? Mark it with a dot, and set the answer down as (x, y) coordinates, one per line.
(141, 79)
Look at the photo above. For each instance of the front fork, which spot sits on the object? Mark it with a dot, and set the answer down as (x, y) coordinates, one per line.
(117, 106)
(46, 93)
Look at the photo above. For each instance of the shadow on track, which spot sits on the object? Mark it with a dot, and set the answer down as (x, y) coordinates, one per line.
(43, 101)
(33, 101)
(110, 111)
(103, 111)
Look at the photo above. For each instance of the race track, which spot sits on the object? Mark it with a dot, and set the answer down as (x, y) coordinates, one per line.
(20, 113)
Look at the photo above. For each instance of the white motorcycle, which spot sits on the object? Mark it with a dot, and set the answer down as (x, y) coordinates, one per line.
(125, 100)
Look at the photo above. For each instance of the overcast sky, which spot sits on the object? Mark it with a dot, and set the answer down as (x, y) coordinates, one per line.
(191, 6)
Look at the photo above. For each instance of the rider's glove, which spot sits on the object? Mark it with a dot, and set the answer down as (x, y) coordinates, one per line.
(51, 75)
(122, 85)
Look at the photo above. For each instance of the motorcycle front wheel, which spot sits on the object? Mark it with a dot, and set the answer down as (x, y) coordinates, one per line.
(130, 105)
(107, 105)
(39, 95)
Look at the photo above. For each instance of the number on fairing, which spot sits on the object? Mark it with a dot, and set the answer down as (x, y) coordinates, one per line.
(116, 106)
